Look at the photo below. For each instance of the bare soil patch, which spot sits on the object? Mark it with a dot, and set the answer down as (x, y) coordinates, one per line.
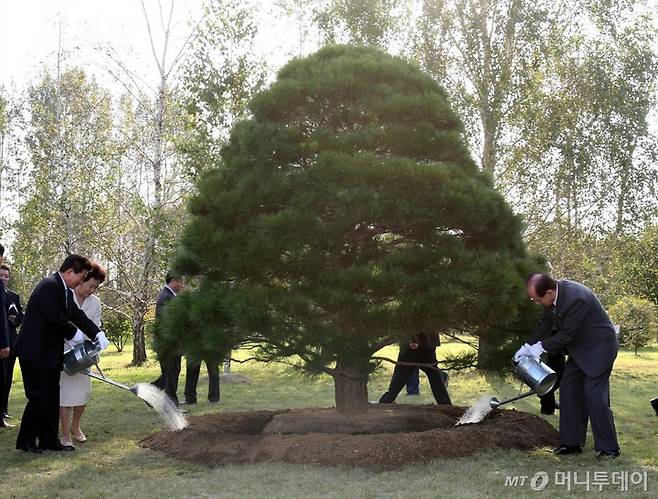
(384, 437)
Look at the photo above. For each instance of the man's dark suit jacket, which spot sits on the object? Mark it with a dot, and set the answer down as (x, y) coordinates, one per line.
(4, 327)
(50, 318)
(12, 298)
(582, 328)
(426, 351)
(165, 295)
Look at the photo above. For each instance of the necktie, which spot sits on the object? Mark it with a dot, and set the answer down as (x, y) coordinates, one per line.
(69, 297)
(554, 328)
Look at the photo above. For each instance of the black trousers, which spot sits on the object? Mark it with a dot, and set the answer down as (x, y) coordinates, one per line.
(160, 383)
(41, 415)
(168, 380)
(586, 398)
(555, 362)
(192, 379)
(6, 379)
(402, 373)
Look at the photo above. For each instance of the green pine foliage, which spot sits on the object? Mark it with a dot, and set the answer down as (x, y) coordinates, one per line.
(346, 213)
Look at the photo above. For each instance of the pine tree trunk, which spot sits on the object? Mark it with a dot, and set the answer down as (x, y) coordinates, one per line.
(486, 354)
(351, 388)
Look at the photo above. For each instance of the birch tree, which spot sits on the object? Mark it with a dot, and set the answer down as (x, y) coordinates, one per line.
(152, 179)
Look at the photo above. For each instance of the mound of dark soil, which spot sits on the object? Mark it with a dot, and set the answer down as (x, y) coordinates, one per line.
(384, 437)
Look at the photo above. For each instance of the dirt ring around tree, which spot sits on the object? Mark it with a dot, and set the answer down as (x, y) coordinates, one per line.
(385, 437)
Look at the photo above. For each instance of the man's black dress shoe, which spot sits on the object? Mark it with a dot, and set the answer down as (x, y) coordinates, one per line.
(29, 448)
(57, 447)
(546, 411)
(563, 450)
(654, 404)
(608, 453)
(7, 416)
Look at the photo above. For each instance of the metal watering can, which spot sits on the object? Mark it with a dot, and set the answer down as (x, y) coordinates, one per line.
(534, 373)
(84, 355)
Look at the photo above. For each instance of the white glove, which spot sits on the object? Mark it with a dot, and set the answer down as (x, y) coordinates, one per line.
(536, 350)
(102, 340)
(522, 352)
(78, 338)
(526, 350)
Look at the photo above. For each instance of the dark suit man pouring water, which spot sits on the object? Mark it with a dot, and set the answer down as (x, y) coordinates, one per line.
(584, 331)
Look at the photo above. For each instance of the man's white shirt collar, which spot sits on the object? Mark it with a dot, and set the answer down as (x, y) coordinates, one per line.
(63, 281)
(172, 291)
(557, 288)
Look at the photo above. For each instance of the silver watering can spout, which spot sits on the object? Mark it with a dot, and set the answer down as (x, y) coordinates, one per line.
(534, 373)
(494, 402)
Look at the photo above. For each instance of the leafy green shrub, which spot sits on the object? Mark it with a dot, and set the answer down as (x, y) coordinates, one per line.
(118, 328)
(636, 318)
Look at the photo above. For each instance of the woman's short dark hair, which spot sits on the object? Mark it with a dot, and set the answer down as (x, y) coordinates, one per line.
(78, 263)
(97, 272)
(542, 282)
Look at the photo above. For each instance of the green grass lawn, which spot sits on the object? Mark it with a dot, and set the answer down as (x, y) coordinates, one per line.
(111, 463)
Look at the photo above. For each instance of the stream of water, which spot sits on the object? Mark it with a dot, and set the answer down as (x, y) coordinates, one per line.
(477, 412)
(165, 407)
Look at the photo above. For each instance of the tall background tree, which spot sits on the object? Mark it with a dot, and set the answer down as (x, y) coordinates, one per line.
(152, 187)
(220, 76)
(11, 158)
(583, 141)
(72, 153)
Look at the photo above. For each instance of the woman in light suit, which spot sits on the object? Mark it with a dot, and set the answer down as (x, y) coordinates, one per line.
(74, 390)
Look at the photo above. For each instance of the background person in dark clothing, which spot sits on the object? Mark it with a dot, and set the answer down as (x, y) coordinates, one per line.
(421, 350)
(5, 344)
(170, 367)
(547, 403)
(14, 312)
(192, 379)
(51, 316)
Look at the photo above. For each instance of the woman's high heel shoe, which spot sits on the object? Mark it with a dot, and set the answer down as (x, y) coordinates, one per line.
(80, 437)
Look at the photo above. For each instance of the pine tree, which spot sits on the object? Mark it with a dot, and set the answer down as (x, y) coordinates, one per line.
(346, 214)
